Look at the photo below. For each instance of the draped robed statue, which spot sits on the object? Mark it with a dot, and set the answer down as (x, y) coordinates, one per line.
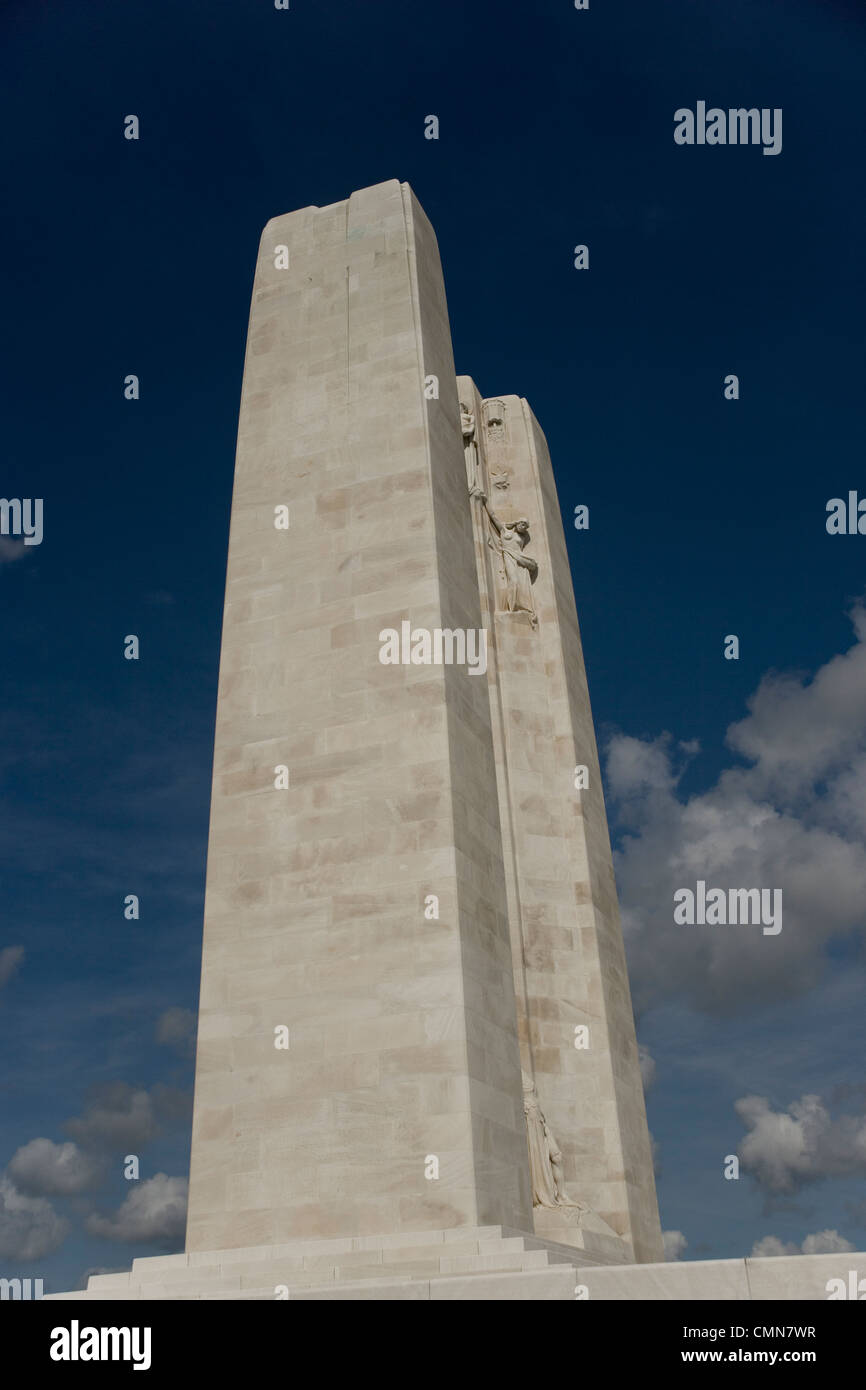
(518, 571)
(545, 1157)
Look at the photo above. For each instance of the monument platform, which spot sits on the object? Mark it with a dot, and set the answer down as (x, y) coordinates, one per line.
(487, 1263)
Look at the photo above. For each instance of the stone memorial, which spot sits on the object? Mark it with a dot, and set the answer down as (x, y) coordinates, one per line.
(416, 1072)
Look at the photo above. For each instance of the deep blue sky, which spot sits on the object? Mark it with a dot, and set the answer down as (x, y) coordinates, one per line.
(707, 517)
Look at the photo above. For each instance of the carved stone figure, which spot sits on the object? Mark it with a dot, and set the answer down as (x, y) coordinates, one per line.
(545, 1158)
(518, 572)
(495, 419)
(470, 449)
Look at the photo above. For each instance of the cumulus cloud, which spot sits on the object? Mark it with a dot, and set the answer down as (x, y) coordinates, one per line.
(176, 1028)
(793, 819)
(153, 1213)
(785, 1150)
(29, 1226)
(117, 1119)
(826, 1243)
(674, 1243)
(120, 1118)
(10, 959)
(45, 1169)
(821, 1243)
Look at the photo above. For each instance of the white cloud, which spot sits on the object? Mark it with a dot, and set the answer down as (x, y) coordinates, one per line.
(43, 1168)
(29, 1226)
(821, 1243)
(154, 1211)
(784, 1150)
(10, 959)
(674, 1243)
(771, 1245)
(647, 1066)
(827, 1243)
(795, 819)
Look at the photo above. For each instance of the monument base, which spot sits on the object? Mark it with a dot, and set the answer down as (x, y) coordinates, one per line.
(488, 1263)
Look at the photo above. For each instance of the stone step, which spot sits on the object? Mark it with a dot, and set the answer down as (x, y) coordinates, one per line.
(799, 1278)
(410, 1257)
(419, 1254)
(160, 1293)
(573, 1254)
(165, 1277)
(432, 1257)
(335, 1246)
(277, 1272)
(555, 1281)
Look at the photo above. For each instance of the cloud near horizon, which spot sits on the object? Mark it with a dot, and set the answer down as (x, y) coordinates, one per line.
(793, 819)
(154, 1212)
(29, 1226)
(821, 1243)
(117, 1118)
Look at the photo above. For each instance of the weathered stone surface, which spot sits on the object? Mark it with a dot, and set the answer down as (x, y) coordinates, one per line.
(402, 1029)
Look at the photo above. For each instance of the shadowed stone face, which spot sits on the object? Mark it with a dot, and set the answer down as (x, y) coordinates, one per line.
(574, 1010)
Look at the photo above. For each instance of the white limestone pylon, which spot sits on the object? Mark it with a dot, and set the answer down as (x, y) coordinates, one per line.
(367, 1067)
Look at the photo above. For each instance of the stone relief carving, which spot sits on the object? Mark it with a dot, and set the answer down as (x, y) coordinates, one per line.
(494, 412)
(545, 1158)
(470, 449)
(517, 571)
(494, 417)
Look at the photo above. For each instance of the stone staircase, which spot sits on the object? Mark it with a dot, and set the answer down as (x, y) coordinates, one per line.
(462, 1262)
(483, 1263)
